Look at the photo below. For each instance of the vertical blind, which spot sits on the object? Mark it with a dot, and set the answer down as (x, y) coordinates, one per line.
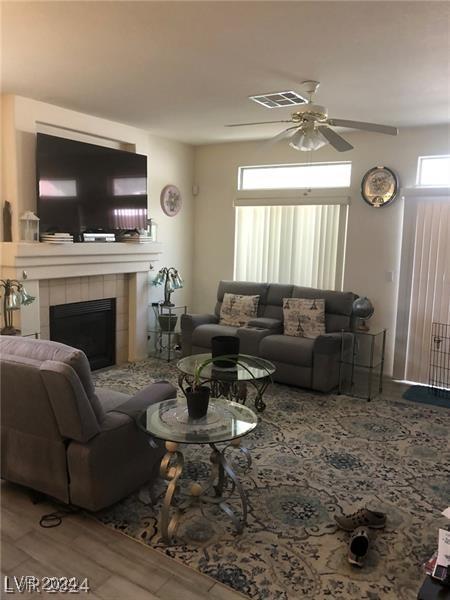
(287, 244)
(430, 295)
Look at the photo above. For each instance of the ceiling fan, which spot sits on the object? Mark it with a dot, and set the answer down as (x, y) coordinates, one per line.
(311, 126)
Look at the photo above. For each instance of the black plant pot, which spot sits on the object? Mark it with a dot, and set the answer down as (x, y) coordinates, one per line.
(197, 401)
(167, 322)
(221, 345)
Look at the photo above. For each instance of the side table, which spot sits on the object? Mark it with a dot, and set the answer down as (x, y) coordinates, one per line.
(362, 364)
(225, 423)
(166, 329)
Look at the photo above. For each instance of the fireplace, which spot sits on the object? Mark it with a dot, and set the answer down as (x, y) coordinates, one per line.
(89, 326)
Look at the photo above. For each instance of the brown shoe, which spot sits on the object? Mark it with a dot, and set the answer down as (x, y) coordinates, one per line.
(361, 518)
(358, 546)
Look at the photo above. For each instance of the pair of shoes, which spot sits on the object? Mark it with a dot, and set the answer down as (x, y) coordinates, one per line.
(358, 546)
(359, 523)
(364, 517)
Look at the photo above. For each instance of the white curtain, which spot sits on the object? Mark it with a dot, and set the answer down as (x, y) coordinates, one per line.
(287, 244)
(430, 295)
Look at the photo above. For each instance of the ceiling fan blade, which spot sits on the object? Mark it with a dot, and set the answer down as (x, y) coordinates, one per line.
(365, 126)
(267, 144)
(258, 123)
(282, 135)
(335, 139)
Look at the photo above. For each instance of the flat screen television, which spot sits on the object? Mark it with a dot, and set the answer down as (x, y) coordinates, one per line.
(84, 187)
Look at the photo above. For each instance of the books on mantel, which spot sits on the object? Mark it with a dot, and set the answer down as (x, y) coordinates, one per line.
(57, 238)
(135, 238)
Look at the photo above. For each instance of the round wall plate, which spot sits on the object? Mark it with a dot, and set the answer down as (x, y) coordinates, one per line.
(379, 186)
(171, 200)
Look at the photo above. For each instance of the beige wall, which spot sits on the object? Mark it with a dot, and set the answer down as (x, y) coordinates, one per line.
(203, 251)
(374, 235)
(168, 162)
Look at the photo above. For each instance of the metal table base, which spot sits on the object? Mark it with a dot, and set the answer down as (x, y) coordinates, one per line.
(220, 487)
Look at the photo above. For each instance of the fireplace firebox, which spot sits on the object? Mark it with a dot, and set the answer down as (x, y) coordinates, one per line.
(89, 326)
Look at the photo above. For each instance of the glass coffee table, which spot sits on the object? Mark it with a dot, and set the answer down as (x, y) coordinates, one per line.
(225, 423)
(230, 383)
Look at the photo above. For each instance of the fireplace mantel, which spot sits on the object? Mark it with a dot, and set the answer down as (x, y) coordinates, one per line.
(40, 261)
(52, 261)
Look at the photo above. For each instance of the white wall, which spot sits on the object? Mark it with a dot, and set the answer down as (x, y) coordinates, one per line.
(168, 162)
(374, 235)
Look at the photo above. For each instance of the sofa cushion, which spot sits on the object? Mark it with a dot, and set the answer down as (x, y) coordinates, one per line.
(43, 350)
(237, 310)
(274, 300)
(338, 305)
(111, 399)
(265, 323)
(73, 411)
(21, 380)
(245, 288)
(203, 333)
(304, 317)
(287, 349)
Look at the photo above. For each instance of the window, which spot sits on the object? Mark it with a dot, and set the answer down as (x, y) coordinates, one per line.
(290, 244)
(316, 175)
(284, 236)
(434, 171)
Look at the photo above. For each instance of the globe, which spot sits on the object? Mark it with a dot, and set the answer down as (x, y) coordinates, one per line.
(363, 308)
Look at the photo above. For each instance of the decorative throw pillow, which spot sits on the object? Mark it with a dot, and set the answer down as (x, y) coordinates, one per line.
(304, 317)
(238, 310)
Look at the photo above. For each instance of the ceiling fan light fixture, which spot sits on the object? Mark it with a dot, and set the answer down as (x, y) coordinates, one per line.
(306, 140)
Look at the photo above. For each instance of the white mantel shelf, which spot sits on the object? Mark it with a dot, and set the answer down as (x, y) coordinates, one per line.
(52, 261)
(60, 261)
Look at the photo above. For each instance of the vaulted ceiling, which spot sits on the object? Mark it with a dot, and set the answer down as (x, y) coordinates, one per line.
(185, 69)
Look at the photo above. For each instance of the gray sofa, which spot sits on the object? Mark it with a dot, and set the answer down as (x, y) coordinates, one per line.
(63, 437)
(307, 363)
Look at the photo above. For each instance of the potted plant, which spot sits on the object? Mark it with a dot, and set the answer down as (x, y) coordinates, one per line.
(197, 395)
(167, 322)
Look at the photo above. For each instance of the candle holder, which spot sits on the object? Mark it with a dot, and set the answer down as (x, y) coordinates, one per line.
(29, 227)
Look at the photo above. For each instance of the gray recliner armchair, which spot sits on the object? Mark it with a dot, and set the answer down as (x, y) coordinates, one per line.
(65, 438)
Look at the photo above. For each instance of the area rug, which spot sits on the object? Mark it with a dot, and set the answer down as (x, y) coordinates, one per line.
(425, 395)
(314, 456)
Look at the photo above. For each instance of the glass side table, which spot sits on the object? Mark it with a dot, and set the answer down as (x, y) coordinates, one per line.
(362, 363)
(164, 334)
(230, 383)
(225, 423)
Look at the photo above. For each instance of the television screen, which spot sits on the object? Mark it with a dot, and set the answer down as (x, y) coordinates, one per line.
(83, 187)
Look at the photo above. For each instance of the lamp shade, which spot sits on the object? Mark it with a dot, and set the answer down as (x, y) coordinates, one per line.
(177, 281)
(12, 301)
(159, 279)
(307, 140)
(25, 297)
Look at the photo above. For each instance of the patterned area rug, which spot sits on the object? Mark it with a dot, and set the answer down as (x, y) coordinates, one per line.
(313, 456)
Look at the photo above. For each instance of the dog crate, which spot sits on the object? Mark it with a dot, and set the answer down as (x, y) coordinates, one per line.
(439, 374)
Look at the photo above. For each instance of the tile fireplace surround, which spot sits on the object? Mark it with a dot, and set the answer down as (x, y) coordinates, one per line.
(60, 274)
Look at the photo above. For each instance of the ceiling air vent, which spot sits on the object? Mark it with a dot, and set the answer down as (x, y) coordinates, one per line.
(279, 99)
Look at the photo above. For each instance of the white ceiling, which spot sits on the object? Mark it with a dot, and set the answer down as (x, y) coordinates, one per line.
(185, 69)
